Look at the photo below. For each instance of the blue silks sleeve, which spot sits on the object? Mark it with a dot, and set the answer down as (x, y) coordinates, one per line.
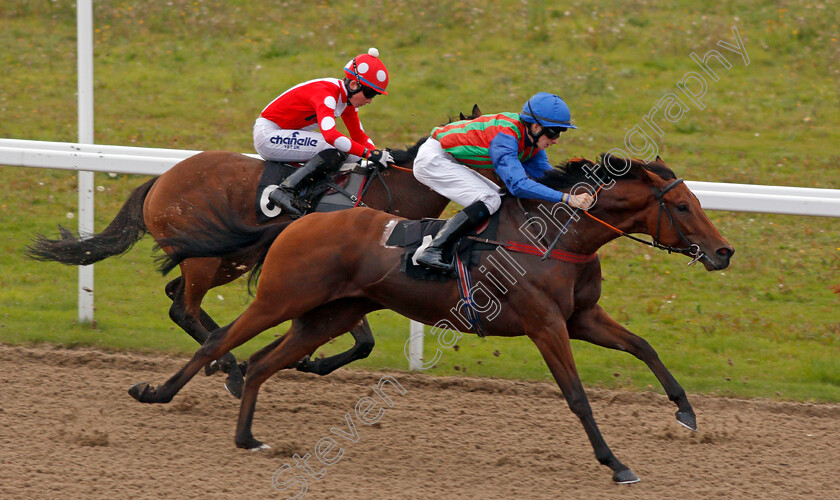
(537, 166)
(503, 153)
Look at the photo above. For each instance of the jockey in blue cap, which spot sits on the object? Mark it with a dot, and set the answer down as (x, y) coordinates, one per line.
(458, 159)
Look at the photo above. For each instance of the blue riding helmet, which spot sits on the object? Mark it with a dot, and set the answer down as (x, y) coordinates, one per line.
(547, 110)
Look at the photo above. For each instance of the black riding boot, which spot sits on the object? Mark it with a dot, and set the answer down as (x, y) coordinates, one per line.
(286, 193)
(460, 224)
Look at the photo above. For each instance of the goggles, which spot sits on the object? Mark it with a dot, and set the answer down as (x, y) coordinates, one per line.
(553, 132)
(369, 92)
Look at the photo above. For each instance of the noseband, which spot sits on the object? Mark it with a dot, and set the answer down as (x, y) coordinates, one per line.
(692, 248)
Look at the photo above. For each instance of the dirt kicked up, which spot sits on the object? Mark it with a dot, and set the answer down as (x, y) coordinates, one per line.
(69, 429)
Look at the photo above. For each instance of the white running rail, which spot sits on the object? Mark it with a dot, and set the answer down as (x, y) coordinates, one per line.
(149, 161)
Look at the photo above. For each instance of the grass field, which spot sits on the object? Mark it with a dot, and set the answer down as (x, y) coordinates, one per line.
(195, 74)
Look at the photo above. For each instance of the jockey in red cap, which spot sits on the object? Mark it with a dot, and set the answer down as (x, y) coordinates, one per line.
(300, 126)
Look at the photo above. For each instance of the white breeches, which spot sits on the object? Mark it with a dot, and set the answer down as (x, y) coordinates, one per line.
(278, 144)
(439, 170)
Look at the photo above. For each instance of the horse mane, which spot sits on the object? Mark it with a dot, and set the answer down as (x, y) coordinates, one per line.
(581, 170)
(407, 156)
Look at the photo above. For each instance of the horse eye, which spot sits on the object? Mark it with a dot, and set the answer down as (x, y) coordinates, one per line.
(682, 207)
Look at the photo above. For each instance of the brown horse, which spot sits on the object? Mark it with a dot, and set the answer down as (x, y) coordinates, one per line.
(175, 201)
(348, 271)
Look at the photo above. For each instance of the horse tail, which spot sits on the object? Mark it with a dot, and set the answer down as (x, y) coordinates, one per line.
(121, 234)
(225, 235)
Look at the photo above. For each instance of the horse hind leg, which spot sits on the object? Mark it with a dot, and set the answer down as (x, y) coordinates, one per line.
(178, 315)
(363, 336)
(307, 333)
(279, 299)
(260, 316)
(187, 293)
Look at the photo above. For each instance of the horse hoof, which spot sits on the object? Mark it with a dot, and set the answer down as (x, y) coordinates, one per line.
(140, 391)
(234, 385)
(687, 419)
(211, 368)
(251, 444)
(625, 476)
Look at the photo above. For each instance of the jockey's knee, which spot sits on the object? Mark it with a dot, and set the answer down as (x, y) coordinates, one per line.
(492, 200)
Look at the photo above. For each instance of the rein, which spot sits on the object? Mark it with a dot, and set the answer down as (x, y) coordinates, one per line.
(376, 172)
(400, 168)
(693, 249)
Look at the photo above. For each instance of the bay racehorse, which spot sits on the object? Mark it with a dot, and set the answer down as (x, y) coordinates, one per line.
(327, 272)
(175, 201)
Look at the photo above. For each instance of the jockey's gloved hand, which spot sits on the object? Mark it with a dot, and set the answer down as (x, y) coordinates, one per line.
(381, 156)
(583, 200)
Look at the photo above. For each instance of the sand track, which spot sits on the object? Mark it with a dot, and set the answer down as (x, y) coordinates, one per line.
(69, 429)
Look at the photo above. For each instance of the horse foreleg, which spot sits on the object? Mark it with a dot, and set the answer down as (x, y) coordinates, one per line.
(594, 325)
(307, 333)
(557, 352)
(363, 336)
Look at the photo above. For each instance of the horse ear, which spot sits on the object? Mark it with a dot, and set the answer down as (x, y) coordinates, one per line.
(462, 116)
(475, 111)
(652, 177)
(659, 159)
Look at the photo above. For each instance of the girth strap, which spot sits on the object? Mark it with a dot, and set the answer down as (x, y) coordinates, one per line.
(464, 290)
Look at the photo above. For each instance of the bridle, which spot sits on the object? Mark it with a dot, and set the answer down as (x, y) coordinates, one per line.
(374, 172)
(692, 249)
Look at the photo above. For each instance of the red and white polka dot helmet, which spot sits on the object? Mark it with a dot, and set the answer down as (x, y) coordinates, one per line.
(368, 70)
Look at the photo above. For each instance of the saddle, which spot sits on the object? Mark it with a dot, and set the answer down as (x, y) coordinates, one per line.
(410, 235)
(413, 234)
(342, 190)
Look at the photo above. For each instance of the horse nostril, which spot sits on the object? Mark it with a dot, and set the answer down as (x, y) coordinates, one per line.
(725, 252)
